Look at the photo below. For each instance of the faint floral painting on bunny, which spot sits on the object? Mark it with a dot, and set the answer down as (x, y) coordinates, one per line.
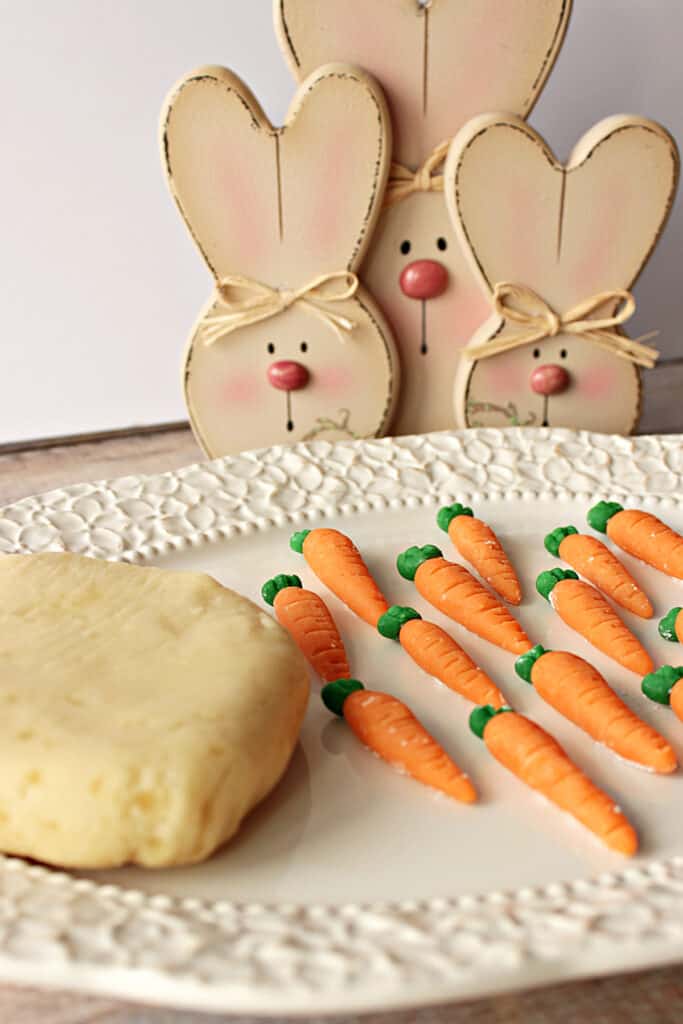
(439, 63)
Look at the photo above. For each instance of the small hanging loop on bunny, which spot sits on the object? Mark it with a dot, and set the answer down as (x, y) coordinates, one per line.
(541, 321)
(242, 301)
(404, 183)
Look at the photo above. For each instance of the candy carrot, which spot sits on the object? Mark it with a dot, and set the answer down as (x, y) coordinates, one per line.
(594, 560)
(671, 626)
(439, 655)
(307, 619)
(478, 545)
(579, 692)
(454, 591)
(538, 760)
(584, 609)
(391, 730)
(338, 564)
(640, 534)
(665, 686)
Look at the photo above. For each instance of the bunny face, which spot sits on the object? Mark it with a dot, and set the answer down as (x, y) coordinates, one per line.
(556, 383)
(448, 61)
(571, 234)
(419, 274)
(284, 352)
(289, 377)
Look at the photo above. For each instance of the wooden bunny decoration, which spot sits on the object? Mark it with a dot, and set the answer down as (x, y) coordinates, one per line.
(557, 250)
(290, 347)
(440, 62)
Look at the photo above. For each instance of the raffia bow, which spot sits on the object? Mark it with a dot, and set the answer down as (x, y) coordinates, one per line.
(521, 305)
(404, 183)
(243, 301)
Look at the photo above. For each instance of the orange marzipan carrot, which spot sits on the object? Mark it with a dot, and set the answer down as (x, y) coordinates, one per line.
(389, 728)
(584, 609)
(309, 622)
(538, 760)
(338, 563)
(594, 560)
(479, 545)
(640, 534)
(579, 692)
(438, 654)
(453, 590)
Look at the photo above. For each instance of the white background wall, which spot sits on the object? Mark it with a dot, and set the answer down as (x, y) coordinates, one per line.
(99, 283)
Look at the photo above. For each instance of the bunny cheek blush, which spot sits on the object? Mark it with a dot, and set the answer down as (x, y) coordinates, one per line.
(519, 388)
(558, 250)
(284, 395)
(447, 61)
(283, 218)
(418, 273)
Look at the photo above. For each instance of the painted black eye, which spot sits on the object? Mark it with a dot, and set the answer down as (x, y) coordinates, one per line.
(441, 244)
(271, 348)
(537, 353)
(406, 247)
(304, 346)
(563, 354)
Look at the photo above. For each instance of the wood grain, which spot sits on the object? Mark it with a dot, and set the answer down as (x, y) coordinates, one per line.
(42, 469)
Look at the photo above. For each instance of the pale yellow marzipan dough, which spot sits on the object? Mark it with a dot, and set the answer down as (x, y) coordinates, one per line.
(143, 713)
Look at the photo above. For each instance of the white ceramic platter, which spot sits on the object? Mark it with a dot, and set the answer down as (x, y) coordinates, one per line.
(353, 888)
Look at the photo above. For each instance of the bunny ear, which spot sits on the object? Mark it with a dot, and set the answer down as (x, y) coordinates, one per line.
(359, 31)
(621, 184)
(568, 233)
(335, 154)
(440, 62)
(278, 206)
(504, 193)
(220, 154)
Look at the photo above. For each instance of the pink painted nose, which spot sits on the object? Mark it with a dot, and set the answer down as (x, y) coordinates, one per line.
(549, 380)
(424, 279)
(286, 375)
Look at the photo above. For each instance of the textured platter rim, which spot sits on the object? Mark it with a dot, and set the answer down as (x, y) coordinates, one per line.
(246, 957)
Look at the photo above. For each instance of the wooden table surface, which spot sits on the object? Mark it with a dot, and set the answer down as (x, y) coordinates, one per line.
(655, 997)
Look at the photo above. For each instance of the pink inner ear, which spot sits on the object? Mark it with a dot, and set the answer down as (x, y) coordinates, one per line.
(223, 172)
(485, 75)
(243, 209)
(327, 214)
(497, 52)
(519, 251)
(354, 31)
(603, 225)
(329, 165)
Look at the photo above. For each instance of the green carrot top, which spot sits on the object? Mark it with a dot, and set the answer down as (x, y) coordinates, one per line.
(392, 622)
(272, 588)
(296, 541)
(334, 694)
(658, 685)
(553, 540)
(667, 626)
(524, 665)
(481, 717)
(448, 513)
(600, 514)
(410, 561)
(547, 581)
